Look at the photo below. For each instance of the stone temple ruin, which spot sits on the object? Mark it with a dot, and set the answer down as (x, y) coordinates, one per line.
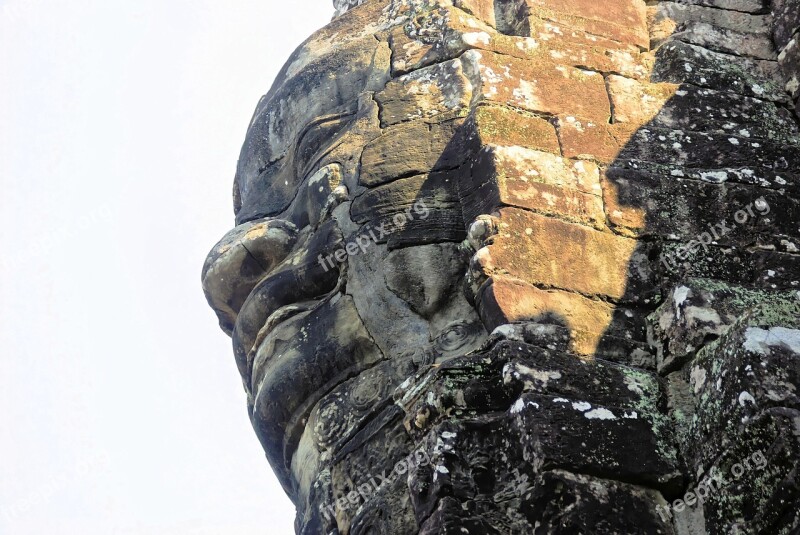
(526, 267)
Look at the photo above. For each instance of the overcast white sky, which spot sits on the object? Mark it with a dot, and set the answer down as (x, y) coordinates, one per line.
(121, 410)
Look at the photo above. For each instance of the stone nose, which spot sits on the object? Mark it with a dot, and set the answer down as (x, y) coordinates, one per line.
(240, 260)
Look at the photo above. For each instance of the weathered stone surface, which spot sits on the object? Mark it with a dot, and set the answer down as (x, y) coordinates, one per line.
(410, 149)
(701, 310)
(539, 181)
(337, 348)
(422, 208)
(689, 108)
(786, 21)
(502, 126)
(239, 262)
(746, 6)
(549, 252)
(583, 504)
(422, 95)
(496, 379)
(619, 20)
(525, 266)
(411, 269)
(758, 46)
(539, 86)
(474, 28)
(737, 20)
(592, 326)
(284, 291)
(727, 214)
(591, 140)
(342, 6)
(678, 62)
(308, 109)
(709, 151)
(746, 405)
(789, 60)
(629, 450)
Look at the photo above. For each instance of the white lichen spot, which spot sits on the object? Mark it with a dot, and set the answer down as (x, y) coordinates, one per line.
(477, 38)
(733, 141)
(634, 385)
(582, 406)
(527, 44)
(518, 406)
(698, 378)
(761, 341)
(715, 177)
(509, 332)
(790, 247)
(681, 295)
(746, 397)
(600, 414)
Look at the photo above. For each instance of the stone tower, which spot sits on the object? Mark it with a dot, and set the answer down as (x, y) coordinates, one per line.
(526, 267)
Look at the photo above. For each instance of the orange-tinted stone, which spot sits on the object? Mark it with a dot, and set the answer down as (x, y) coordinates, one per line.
(553, 253)
(504, 300)
(539, 181)
(539, 86)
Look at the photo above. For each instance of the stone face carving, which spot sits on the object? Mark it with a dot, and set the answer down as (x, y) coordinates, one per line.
(526, 266)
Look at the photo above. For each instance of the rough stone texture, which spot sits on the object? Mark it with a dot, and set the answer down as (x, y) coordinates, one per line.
(526, 266)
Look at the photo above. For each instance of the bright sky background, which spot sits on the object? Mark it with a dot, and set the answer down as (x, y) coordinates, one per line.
(121, 411)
